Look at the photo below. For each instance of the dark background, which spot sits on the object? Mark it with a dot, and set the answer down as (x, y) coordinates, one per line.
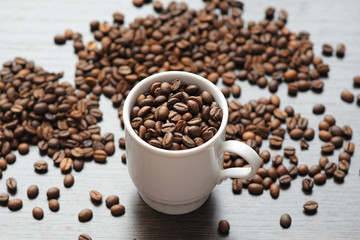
(27, 29)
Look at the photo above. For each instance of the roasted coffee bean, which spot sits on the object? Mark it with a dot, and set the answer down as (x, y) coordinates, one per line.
(309, 134)
(347, 96)
(276, 141)
(323, 161)
(84, 237)
(337, 141)
(4, 198)
(11, 184)
(327, 148)
(330, 168)
(340, 50)
(68, 180)
(54, 205)
(138, 3)
(320, 178)
(23, 148)
(294, 159)
(274, 190)
(311, 207)
(95, 196)
(3, 164)
(15, 204)
(307, 184)
(53, 193)
(289, 151)
(325, 135)
(327, 49)
(356, 81)
(343, 165)
(38, 213)
(272, 173)
(109, 148)
(277, 160)
(349, 147)
(303, 169)
(32, 191)
(123, 158)
(265, 155)
(65, 164)
(100, 156)
(285, 180)
(237, 186)
(255, 188)
(281, 170)
(314, 169)
(223, 227)
(292, 170)
(78, 165)
(296, 133)
(122, 143)
(345, 156)
(304, 145)
(339, 175)
(117, 210)
(41, 166)
(111, 201)
(285, 221)
(85, 215)
(318, 108)
(266, 182)
(347, 132)
(60, 39)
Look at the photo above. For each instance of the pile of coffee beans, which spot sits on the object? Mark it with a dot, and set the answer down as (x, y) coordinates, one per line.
(176, 116)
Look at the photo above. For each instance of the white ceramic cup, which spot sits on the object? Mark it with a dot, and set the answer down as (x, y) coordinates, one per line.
(178, 182)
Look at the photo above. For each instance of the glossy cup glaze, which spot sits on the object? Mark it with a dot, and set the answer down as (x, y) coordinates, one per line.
(178, 182)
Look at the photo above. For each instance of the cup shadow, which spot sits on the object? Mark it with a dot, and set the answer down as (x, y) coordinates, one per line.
(151, 224)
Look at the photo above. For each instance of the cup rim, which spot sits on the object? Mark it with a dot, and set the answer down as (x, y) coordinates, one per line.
(172, 75)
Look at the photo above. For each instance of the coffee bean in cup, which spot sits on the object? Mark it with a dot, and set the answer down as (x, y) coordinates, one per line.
(175, 115)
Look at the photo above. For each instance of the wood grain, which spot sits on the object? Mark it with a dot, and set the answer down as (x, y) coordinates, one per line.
(27, 29)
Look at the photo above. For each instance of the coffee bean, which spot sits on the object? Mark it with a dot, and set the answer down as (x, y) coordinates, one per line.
(41, 166)
(53, 193)
(223, 227)
(100, 156)
(274, 190)
(327, 148)
(285, 180)
(349, 147)
(296, 133)
(289, 151)
(323, 161)
(15, 204)
(345, 156)
(276, 141)
(85, 215)
(255, 188)
(122, 143)
(340, 50)
(347, 132)
(23, 148)
(303, 169)
(327, 49)
(138, 3)
(237, 186)
(337, 141)
(60, 39)
(236, 90)
(272, 173)
(330, 168)
(314, 169)
(54, 205)
(265, 155)
(339, 175)
(117, 210)
(3, 164)
(11, 184)
(307, 184)
(320, 178)
(343, 165)
(68, 180)
(311, 207)
(285, 221)
(32, 191)
(4, 198)
(65, 164)
(292, 170)
(84, 237)
(111, 201)
(318, 108)
(38, 213)
(347, 96)
(266, 182)
(123, 158)
(95, 196)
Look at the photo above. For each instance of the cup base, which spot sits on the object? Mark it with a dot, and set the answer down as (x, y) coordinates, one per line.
(174, 209)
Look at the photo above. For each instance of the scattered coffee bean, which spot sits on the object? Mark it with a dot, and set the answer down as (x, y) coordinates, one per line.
(53, 193)
(347, 96)
(54, 205)
(223, 227)
(4, 198)
(314, 169)
(339, 175)
(38, 213)
(303, 169)
(318, 108)
(277, 160)
(343, 165)
(356, 81)
(41, 166)
(320, 178)
(59, 39)
(23, 148)
(111, 201)
(255, 188)
(330, 168)
(340, 50)
(237, 186)
(307, 184)
(274, 190)
(85, 215)
(285, 221)
(11, 184)
(323, 161)
(123, 158)
(117, 210)
(32, 191)
(285, 180)
(289, 151)
(68, 180)
(84, 237)
(327, 49)
(327, 148)
(311, 207)
(138, 3)
(349, 147)
(345, 156)
(95, 196)
(304, 145)
(15, 204)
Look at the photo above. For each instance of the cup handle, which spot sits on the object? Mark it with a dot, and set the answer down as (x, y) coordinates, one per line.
(245, 152)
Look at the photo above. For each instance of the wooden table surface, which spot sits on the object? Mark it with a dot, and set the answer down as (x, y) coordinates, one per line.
(27, 29)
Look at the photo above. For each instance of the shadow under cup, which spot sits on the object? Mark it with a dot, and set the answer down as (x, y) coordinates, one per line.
(170, 181)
